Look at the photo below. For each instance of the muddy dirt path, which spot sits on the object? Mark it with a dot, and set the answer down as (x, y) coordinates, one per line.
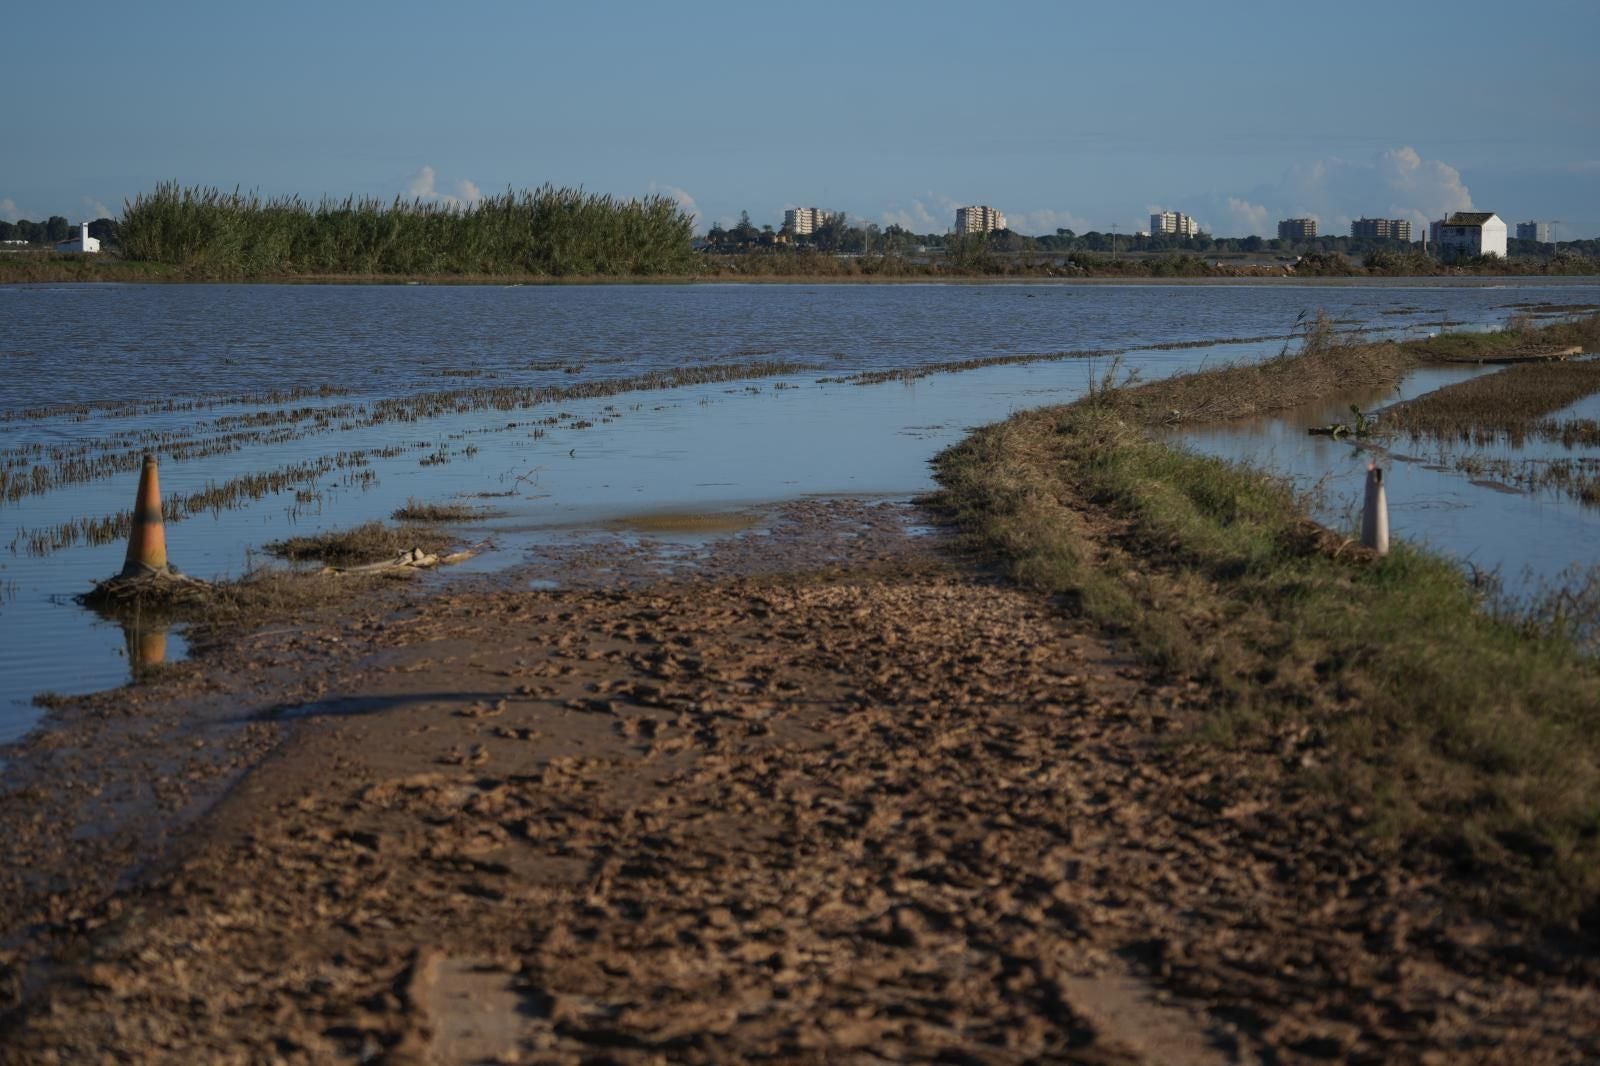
(829, 797)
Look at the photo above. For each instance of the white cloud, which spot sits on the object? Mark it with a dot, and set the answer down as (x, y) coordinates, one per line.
(684, 200)
(425, 186)
(1249, 218)
(1398, 183)
(1421, 189)
(918, 219)
(94, 209)
(934, 212)
(1045, 221)
(8, 210)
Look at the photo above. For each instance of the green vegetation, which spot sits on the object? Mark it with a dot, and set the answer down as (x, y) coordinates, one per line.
(1468, 731)
(547, 232)
(1518, 338)
(178, 233)
(844, 249)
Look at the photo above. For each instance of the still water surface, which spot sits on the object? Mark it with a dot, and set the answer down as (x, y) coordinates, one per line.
(91, 367)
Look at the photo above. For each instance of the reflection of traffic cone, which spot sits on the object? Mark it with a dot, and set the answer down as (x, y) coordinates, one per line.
(147, 646)
(1375, 515)
(147, 542)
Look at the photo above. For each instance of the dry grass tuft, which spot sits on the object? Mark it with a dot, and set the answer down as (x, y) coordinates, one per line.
(369, 543)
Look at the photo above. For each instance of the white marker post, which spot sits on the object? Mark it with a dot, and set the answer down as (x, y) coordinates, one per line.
(1375, 515)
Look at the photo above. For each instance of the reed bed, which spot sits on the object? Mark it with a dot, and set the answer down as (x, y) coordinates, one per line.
(548, 231)
(1510, 406)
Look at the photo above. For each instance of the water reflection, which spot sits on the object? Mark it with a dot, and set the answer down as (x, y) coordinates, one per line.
(146, 642)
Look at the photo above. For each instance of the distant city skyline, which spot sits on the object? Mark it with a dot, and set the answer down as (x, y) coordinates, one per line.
(1068, 120)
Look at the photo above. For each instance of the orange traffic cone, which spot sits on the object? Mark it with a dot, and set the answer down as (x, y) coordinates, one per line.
(147, 542)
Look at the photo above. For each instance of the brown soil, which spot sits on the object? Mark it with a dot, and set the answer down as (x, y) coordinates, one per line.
(829, 797)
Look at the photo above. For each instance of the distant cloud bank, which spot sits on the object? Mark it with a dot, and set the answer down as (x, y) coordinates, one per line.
(425, 186)
(1397, 183)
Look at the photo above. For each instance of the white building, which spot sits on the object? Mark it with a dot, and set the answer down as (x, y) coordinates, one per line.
(979, 219)
(81, 243)
(801, 221)
(1534, 231)
(1469, 233)
(1173, 222)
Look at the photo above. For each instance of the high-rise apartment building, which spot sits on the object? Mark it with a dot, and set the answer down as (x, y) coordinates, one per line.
(802, 221)
(1173, 222)
(1534, 231)
(1297, 229)
(1394, 229)
(979, 219)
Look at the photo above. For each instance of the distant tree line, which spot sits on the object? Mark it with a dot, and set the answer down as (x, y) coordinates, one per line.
(547, 231)
(840, 236)
(55, 228)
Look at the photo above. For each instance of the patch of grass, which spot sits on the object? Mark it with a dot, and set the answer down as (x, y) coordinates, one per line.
(369, 543)
(1324, 365)
(1510, 405)
(417, 511)
(1319, 367)
(1458, 728)
(1519, 339)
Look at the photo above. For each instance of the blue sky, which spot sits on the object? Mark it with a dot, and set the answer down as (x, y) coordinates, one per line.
(1080, 115)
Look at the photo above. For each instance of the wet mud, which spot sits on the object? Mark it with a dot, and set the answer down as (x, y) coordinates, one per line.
(823, 791)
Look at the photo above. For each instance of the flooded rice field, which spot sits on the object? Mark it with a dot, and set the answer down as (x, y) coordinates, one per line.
(633, 412)
(1517, 507)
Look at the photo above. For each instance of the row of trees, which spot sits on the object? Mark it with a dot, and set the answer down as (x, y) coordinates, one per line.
(547, 231)
(839, 235)
(55, 228)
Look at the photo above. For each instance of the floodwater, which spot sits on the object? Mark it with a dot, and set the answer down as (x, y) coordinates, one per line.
(1532, 540)
(228, 381)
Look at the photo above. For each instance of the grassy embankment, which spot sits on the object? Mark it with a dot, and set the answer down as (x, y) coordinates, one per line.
(1456, 729)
